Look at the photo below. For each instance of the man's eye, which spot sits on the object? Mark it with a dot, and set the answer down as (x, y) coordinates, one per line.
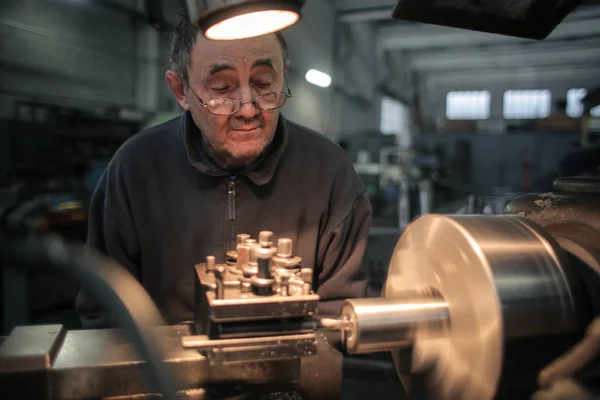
(263, 85)
(220, 89)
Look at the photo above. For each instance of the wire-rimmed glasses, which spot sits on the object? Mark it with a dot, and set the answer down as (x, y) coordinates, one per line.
(226, 106)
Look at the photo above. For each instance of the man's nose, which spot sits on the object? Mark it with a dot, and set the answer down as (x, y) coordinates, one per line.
(248, 110)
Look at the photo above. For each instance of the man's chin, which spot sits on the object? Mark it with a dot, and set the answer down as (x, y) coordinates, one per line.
(244, 157)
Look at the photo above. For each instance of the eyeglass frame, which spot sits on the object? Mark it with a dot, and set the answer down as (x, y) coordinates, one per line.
(242, 102)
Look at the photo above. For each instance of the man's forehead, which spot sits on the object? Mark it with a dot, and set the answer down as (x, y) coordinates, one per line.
(237, 53)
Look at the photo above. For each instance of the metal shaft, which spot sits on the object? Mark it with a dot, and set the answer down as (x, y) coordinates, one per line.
(219, 272)
(382, 324)
(202, 343)
(264, 268)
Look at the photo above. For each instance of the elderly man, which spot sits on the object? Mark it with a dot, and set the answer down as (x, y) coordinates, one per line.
(229, 164)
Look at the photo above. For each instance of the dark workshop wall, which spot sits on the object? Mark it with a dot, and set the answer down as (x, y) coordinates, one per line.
(67, 52)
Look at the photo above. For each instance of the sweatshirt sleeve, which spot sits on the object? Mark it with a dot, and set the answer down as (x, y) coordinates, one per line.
(111, 232)
(339, 272)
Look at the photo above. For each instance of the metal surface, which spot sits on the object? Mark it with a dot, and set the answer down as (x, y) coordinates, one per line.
(501, 278)
(202, 342)
(206, 13)
(238, 305)
(100, 363)
(383, 324)
(30, 348)
(245, 349)
(578, 184)
(284, 247)
(263, 313)
(570, 214)
(123, 297)
(271, 287)
(210, 263)
(321, 375)
(103, 363)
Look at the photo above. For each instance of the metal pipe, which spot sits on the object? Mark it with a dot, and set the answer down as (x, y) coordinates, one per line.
(403, 204)
(382, 324)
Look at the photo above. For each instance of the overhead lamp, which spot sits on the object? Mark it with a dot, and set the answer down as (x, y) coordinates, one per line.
(240, 19)
(521, 18)
(318, 78)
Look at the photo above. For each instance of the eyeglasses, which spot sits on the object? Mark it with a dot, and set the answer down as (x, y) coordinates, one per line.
(227, 106)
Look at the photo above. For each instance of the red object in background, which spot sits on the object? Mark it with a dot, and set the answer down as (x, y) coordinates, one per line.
(68, 219)
(66, 213)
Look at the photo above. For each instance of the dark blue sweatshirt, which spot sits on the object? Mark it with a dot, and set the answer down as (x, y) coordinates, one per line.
(161, 207)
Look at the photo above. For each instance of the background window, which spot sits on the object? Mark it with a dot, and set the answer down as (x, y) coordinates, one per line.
(574, 104)
(595, 112)
(394, 118)
(468, 105)
(527, 104)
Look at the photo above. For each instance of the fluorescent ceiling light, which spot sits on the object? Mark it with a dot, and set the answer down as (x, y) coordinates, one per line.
(318, 78)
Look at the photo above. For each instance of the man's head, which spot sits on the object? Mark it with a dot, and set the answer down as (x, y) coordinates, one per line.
(203, 70)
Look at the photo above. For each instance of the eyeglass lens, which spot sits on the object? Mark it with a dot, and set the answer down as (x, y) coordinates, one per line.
(225, 106)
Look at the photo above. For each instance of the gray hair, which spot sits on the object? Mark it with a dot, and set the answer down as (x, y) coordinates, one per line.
(182, 43)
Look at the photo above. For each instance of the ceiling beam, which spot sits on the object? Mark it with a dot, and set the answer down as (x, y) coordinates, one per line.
(366, 15)
(529, 76)
(355, 5)
(509, 56)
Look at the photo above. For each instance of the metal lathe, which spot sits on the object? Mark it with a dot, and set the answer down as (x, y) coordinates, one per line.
(474, 307)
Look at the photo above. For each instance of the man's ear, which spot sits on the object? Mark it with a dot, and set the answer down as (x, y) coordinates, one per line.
(177, 86)
(287, 66)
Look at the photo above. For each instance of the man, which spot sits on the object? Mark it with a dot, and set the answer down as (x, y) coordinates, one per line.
(181, 191)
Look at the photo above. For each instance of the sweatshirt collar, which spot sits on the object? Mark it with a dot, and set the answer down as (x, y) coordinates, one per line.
(259, 172)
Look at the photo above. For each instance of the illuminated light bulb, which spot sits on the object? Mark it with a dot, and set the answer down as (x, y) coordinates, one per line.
(252, 24)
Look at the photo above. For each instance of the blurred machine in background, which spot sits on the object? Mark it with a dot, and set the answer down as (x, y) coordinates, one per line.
(52, 142)
(51, 157)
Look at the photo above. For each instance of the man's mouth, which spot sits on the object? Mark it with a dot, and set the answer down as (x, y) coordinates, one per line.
(246, 129)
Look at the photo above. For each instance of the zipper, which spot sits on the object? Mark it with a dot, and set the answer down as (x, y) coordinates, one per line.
(231, 198)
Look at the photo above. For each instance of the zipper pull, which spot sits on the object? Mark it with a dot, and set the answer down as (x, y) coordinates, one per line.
(231, 198)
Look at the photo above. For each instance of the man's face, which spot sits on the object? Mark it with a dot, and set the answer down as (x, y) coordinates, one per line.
(240, 69)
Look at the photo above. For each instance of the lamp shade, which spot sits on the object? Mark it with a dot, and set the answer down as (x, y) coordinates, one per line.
(239, 19)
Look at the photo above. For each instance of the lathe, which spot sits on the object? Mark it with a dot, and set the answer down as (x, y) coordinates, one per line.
(474, 307)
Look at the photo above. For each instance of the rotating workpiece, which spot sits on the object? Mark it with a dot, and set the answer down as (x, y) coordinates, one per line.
(460, 291)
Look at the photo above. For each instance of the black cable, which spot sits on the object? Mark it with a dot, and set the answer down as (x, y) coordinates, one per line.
(115, 287)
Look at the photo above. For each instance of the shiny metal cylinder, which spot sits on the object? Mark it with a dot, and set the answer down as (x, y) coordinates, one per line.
(284, 247)
(243, 254)
(265, 238)
(219, 276)
(307, 278)
(381, 324)
(210, 263)
(242, 237)
(504, 280)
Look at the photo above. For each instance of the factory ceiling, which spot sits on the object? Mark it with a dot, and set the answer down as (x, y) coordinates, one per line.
(452, 54)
